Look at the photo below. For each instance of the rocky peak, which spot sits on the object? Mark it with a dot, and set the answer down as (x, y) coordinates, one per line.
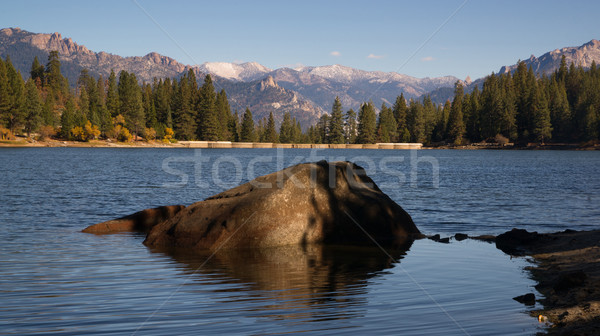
(582, 55)
(267, 83)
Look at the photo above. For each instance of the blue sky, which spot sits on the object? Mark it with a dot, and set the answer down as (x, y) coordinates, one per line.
(417, 38)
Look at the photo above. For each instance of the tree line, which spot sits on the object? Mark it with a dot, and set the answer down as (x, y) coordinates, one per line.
(519, 107)
(120, 108)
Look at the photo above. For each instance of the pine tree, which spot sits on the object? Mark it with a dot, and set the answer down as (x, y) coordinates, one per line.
(112, 95)
(367, 124)
(456, 126)
(386, 125)
(322, 128)
(415, 119)
(224, 114)
(53, 77)
(430, 115)
(350, 126)
(68, 119)
(5, 95)
(103, 113)
(184, 116)
(296, 131)
(209, 127)
(37, 71)
(399, 110)
(560, 111)
(542, 129)
(247, 133)
(15, 117)
(130, 102)
(48, 115)
(439, 132)
(234, 127)
(270, 132)
(473, 127)
(33, 107)
(590, 124)
(285, 130)
(336, 123)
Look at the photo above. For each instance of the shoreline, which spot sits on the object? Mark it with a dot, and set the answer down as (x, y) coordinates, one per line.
(23, 143)
(567, 270)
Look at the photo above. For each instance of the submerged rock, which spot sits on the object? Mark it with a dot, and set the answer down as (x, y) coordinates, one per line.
(307, 203)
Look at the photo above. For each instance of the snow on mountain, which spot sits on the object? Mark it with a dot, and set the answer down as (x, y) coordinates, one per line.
(546, 64)
(244, 72)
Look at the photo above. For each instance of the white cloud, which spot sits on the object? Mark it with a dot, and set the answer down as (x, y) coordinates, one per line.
(427, 59)
(375, 56)
(335, 53)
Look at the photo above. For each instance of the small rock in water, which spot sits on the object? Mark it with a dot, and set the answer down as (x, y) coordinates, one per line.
(527, 299)
(461, 236)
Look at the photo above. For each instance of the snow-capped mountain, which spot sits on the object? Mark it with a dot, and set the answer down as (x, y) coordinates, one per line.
(546, 64)
(244, 72)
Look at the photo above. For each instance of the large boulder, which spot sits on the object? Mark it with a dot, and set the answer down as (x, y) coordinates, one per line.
(319, 202)
(141, 221)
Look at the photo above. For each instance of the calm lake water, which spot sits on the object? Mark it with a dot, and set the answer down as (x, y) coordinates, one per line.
(56, 280)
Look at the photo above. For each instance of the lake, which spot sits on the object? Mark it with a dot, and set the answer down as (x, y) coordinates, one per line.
(56, 280)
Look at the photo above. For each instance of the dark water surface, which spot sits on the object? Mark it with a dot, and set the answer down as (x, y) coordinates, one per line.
(54, 279)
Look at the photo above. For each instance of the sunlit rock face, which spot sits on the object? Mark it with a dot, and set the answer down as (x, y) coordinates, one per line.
(324, 202)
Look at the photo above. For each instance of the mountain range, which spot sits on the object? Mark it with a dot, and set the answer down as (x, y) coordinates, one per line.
(305, 92)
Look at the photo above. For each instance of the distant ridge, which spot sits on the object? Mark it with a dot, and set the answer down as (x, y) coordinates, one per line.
(549, 62)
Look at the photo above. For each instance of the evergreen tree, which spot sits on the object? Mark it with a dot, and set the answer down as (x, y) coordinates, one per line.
(285, 130)
(386, 126)
(234, 127)
(33, 107)
(112, 95)
(209, 127)
(366, 124)
(399, 110)
(184, 118)
(54, 79)
(542, 129)
(68, 119)
(37, 71)
(430, 116)
(589, 126)
(415, 119)
(296, 131)
(456, 125)
(103, 113)
(247, 133)
(322, 128)
(473, 127)
(224, 115)
(48, 115)
(560, 111)
(270, 132)
(439, 132)
(15, 116)
(130, 102)
(350, 126)
(149, 108)
(336, 123)
(84, 105)
(5, 95)
(492, 107)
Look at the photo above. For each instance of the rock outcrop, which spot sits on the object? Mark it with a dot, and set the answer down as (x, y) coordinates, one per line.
(141, 221)
(320, 202)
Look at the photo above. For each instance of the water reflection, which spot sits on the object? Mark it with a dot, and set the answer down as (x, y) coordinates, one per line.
(312, 282)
